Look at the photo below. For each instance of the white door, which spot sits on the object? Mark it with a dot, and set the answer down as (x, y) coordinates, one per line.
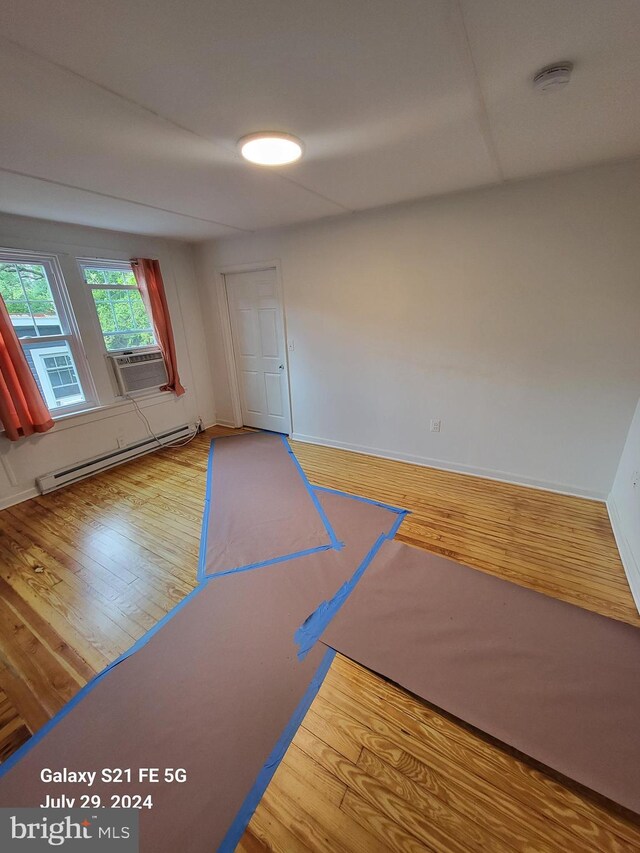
(257, 326)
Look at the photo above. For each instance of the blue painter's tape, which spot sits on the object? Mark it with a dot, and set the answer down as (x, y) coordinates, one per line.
(309, 632)
(202, 554)
(335, 543)
(242, 818)
(202, 557)
(89, 686)
(62, 713)
(261, 565)
(396, 524)
(360, 498)
(314, 625)
(401, 513)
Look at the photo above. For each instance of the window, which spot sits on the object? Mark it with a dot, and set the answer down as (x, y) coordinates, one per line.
(61, 385)
(122, 314)
(33, 290)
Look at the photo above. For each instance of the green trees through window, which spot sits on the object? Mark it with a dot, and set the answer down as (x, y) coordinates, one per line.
(27, 295)
(37, 313)
(122, 314)
(33, 288)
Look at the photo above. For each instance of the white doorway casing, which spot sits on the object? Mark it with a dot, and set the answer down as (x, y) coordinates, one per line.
(254, 335)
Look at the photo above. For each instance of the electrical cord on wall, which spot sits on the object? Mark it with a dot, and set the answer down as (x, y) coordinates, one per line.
(145, 420)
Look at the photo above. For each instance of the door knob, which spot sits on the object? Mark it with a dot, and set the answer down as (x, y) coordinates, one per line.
(281, 367)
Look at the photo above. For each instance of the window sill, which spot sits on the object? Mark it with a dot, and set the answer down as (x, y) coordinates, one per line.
(110, 410)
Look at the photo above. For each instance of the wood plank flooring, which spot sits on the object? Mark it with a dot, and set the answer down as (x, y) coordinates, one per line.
(562, 546)
(87, 570)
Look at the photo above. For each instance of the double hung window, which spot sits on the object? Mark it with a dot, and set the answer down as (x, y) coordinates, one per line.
(35, 295)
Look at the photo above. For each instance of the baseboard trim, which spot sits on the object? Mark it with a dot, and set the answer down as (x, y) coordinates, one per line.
(425, 462)
(629, 562)
(229, 424)
(18, 497)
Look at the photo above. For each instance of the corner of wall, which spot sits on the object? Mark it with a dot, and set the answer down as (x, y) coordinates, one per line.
(623, 505)
(628, 558)
(204, 255)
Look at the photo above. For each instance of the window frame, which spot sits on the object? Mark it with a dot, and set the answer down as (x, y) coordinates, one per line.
(38, 356)
(125, 266)
(70, 332)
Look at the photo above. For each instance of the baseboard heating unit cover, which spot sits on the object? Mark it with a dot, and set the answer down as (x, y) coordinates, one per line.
(71, 474)
(556, 682)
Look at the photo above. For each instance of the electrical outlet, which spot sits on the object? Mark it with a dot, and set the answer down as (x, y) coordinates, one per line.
(435, 425)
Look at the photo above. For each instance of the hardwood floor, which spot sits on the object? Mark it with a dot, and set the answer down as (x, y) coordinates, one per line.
(87, 570)
(561, 546)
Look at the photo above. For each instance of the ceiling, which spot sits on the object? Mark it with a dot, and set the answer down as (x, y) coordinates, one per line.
(124, 114)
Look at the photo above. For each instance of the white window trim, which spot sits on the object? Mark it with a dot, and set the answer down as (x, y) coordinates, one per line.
(70, 333)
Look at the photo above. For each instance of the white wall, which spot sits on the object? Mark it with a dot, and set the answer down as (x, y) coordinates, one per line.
(510, 313)
(624, 506)
(83, 436)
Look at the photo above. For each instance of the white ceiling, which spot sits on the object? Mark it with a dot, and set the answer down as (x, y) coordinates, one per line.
(124, 113)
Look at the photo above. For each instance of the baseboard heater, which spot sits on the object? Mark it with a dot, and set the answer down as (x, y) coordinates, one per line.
(57, 479)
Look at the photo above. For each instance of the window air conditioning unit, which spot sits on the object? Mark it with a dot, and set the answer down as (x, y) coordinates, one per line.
(139, 371)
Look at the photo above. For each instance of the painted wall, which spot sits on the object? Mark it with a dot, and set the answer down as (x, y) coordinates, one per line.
(509, 313)
(624, 506)
(83, 436)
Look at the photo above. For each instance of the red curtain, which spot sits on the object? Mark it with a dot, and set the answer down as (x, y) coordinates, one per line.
(22, 409)
(149, 278)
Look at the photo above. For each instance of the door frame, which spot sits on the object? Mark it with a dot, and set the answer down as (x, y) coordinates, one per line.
(227, 333)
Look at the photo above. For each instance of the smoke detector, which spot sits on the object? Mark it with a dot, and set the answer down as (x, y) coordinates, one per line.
(553, 77)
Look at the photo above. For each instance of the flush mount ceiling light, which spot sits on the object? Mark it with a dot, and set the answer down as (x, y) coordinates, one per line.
(553, 77)
(270, 148)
